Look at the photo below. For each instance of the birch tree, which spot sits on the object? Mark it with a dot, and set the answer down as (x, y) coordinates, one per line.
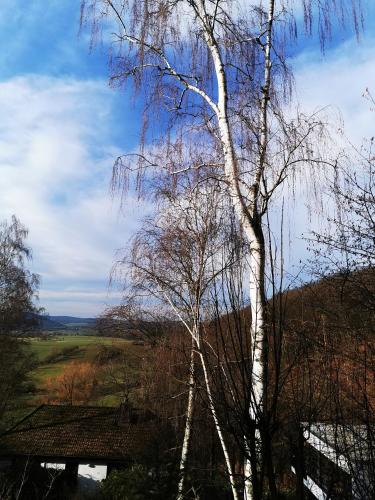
(220, 68)
(176, 257)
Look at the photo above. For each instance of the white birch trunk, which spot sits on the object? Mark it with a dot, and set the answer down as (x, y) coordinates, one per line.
(211, 404)
(196, 340)
(257, 327)
(188, 427)
(244, 216)
(249, 218)
(218, 428)
(256, 290)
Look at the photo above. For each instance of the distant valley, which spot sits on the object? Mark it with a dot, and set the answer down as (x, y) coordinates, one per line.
(65, 322)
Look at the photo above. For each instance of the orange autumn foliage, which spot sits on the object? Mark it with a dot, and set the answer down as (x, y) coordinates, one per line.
(75, 384)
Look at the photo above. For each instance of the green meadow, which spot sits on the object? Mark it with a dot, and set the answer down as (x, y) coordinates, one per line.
(55, 353)
(87, 344)
(86, 349)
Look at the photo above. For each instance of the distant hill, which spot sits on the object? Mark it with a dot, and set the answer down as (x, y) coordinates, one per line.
(72, 320)
(63, 322)
(48, 323)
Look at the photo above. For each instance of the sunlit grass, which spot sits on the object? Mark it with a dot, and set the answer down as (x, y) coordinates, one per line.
(87, 344)
(87, 349)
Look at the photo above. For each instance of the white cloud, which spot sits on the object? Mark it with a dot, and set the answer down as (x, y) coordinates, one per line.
(83, 303)
(338, 81)
(55, 168)
(56, 157)
(335, 82)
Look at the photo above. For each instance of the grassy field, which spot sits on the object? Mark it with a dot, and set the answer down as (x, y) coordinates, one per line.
(86, 350)
(54, 354)
(87, 344)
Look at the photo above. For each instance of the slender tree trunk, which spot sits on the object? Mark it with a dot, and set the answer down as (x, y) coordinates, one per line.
(251, 483)
(251, 222)
(256, 282)
(259, 337)
(188, 425)
(197, 343)
(218, 428)
(259, 355)
(259, 347)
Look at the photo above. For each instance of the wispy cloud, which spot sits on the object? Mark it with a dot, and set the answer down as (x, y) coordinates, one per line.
(59, 136)
(336, 83)
(55, 162)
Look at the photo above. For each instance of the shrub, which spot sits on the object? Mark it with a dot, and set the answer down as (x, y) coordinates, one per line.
(59, 354)
(129, 484)
(75, 384)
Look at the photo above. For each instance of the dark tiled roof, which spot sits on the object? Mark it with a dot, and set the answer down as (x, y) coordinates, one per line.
(80, 432)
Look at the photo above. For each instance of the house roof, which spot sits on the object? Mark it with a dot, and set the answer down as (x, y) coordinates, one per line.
(101, 433)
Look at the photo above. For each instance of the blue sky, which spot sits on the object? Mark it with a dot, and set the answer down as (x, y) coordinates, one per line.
(61, 128)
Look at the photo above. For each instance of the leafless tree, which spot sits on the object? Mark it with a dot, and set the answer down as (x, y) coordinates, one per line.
(130, 319)
(221, 69)
(175, 258)
(18, 311)
(18, 286)
(344, 260)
